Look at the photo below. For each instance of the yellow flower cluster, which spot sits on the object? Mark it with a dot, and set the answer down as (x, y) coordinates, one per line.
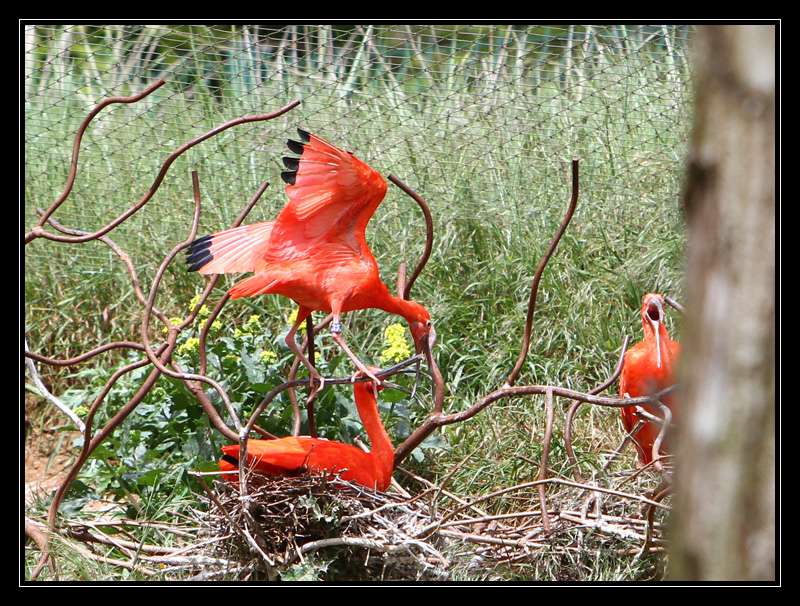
(396, 347)
(253, 324)
(268, 356)
(215, 326)
(231, 358)
(173, 322)
(191, 345)
(204, 310)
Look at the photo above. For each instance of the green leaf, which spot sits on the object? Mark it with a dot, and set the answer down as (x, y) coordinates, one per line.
(393, 395)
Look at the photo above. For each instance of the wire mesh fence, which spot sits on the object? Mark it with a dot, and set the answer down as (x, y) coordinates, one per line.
(481, 119)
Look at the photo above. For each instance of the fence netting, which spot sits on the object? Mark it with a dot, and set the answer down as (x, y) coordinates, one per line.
(480, 119)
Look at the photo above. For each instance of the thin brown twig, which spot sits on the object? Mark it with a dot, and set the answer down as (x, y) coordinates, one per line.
(312, 423)
(573, 409)
(426, 211)
(548, 434)
(293, 375)
(76, 149)
(91, 442)
(674, 304)
(151, 300)
(526, 337)
(123, 256)
(658, 497)
(221, 303)
(85, 356)
(38, 232)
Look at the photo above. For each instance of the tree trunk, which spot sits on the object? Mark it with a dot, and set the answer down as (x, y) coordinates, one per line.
(724, 506)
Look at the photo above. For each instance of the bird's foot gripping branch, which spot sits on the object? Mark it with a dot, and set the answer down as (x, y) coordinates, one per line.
(161, 361)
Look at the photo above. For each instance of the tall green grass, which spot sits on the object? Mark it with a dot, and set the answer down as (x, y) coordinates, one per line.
(482, 125)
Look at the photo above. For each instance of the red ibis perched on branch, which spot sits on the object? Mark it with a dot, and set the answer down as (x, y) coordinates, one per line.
(315, 252)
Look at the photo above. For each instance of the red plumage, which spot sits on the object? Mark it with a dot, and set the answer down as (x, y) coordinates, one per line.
(644, 373)
(292, 455)
(315, 252)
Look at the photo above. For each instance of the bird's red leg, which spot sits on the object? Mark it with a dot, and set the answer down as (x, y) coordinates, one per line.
(336, 331)
(302, 314)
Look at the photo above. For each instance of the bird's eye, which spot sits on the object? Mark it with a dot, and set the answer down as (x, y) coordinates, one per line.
(428, 324)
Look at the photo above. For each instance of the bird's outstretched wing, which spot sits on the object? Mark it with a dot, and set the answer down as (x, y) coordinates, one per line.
(239, 249)
(332, 196)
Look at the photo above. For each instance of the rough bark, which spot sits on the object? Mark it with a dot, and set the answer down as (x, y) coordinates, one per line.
(724, 520)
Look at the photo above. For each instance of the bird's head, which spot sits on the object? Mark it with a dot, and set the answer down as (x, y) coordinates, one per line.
(653, 318)
(421, 327)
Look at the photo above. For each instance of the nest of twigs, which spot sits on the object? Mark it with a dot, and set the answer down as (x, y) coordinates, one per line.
(284, 521)
(285, 527)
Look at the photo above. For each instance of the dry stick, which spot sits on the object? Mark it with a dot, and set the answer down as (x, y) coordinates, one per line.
(628, 438)
(204, 332)
(293, 375)
(90, 443)
(193, 386)
(151, 300)
(432, 527)
(665, 423)
(312, 424)
(674, 304)
(114, 562)
(211, 411)
(38, 232)
(436, 418)
(253, 545)
(83, 357)
(650, 513)
(40, 537)
(548, 434)
(426, 211)
(450, 474)
(218, 308)
(124, 257)
(43, 391)
(526, 338)
(575, 405)
(401, 278)
(450, 495)
(76, 149)
(102, 537)
(271, 395)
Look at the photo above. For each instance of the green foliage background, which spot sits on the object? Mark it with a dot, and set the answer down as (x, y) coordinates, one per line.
(482, 120)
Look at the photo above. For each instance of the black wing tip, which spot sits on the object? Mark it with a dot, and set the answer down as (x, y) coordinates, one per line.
(199, 248)
(305, 136)
(291, 163)
(198, 260)
(295, 146)
(196, 255)
(200, 241)
(289, 176)
(230, 459)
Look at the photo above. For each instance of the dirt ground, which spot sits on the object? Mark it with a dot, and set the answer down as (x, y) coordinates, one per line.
(48, 450)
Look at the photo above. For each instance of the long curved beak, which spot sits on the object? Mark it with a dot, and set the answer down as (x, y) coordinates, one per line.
(431, 338)
(656, 324)
(428, 342)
